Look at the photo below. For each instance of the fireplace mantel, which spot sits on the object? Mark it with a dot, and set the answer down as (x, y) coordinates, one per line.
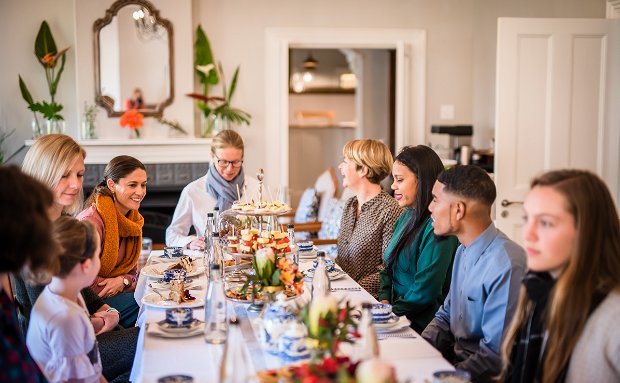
(149, 151)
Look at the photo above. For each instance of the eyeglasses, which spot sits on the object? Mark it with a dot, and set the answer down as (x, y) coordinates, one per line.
(225, 163)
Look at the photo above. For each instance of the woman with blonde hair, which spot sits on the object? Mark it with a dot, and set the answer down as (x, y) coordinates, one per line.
(368, 218)
(219, 187)
(113, 209)
(58, 162)
(564, 328)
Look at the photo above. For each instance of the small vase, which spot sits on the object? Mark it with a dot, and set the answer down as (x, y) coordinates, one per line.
(88, 130)
(54, 126)
(213, 124)
(134, 134)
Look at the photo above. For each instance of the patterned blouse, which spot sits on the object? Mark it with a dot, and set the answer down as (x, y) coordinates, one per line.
(363, 240)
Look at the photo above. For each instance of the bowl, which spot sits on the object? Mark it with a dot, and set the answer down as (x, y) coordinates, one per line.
(447, 376)
(173, 251)
(381, 312)
(170, 275)
(179, 317)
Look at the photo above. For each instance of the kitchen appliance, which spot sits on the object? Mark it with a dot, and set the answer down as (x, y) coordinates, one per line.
(460, 141)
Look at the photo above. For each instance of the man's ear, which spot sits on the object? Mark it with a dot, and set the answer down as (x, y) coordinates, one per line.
(461, 208)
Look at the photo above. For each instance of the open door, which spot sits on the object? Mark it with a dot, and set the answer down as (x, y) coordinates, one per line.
(554, 91)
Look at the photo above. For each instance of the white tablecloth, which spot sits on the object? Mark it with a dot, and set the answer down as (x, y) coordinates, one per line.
(413, 358)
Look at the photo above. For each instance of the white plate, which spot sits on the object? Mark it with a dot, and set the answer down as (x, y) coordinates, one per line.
(157, 270)
(308, 254)
(161, 285)
(155, 329)
(333, 275)
(396, 323)
(154, 300)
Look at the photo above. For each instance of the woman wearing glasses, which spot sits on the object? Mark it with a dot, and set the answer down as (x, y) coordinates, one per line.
(218, 187)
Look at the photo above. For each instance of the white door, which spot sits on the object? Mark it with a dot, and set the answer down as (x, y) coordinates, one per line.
(556, 82)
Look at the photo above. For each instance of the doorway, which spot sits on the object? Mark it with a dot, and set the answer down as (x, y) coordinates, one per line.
(409, 47)
(328, 106)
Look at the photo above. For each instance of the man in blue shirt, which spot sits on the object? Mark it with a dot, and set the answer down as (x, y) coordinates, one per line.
(468, 329)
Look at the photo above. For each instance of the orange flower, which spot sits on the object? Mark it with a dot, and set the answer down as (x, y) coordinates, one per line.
(132, 118)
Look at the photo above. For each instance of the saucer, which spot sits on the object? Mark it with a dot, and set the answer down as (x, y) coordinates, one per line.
(192, 326)
(154, 329)
(395, 323)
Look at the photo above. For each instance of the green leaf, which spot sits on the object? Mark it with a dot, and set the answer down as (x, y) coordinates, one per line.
(54, 84)
(275, 278)
(50, 111)
(25, 92)
(204, 56)
(44, 43)
(233, 85)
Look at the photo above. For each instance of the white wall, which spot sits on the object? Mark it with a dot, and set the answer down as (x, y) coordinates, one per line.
(460, 56)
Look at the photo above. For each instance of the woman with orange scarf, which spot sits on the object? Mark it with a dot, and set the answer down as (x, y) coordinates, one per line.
(113, 210)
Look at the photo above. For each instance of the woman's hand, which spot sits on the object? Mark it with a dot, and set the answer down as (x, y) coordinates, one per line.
(197, 244)
(112, 287)
(110, 321)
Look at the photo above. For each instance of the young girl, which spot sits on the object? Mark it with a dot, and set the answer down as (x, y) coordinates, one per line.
(565, 326)
(60, 335)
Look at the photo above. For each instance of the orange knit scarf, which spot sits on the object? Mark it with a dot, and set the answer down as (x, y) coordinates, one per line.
(118, 226)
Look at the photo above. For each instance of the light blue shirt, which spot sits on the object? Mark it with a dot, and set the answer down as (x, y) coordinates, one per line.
(483, 295)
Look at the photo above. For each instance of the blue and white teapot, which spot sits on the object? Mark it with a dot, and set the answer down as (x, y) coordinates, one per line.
(275, 320)
(293, 344)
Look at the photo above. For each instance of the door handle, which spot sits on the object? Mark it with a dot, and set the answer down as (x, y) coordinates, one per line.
(506, 203)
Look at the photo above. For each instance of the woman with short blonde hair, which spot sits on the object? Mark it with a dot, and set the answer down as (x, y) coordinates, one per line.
(56, 159)
(368, 218)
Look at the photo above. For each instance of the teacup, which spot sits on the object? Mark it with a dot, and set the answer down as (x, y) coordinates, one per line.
(179, 317)
(329, 265)
(381, 312)
(456, 376)
(169, 275)
(173, 251)
(305, 245)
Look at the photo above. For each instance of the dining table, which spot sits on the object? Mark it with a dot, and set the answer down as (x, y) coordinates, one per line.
(412, 357)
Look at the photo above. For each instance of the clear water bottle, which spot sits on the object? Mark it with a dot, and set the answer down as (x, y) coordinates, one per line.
(216, 327)
(206, 254)
(233, 368)
(367, 346)
(320, 280)
(216, 219)
(292, 242)
(216, 257)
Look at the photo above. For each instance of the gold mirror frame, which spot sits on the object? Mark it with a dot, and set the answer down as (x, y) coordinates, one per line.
(99, 24)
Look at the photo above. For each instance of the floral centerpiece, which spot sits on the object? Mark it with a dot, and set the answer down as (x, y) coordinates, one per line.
(216, 109)
(48, 56)
(332, 369)
(133, 119)
(274, 274)
(328, 325)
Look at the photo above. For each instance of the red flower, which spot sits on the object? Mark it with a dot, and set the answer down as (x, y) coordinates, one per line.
(330, 365)
(132, 118)
(342, 315)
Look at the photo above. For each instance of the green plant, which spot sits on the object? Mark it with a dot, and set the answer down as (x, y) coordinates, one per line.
(48, 56)
(209, 74)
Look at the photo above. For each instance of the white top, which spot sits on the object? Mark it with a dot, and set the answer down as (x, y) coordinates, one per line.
(194, 204)
(596, 357)
(62, 340)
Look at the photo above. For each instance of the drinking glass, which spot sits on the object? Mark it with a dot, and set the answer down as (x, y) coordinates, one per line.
(147, 247)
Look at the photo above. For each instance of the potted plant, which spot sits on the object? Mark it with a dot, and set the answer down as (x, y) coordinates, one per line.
(48, 56)
(216, 110)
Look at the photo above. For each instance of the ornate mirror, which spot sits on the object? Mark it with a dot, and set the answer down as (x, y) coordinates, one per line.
(134, 58)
